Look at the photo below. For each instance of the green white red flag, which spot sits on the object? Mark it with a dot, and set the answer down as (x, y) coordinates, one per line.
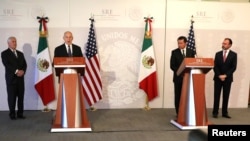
(147, 75)
(44, 82)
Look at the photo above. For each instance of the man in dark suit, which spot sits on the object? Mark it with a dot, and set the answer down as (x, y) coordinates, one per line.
(177, 56)
(225, 64)
(68, 49)
(15, 68)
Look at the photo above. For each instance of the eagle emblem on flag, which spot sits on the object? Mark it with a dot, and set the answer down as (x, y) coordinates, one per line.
(148, 61)
(42, 64)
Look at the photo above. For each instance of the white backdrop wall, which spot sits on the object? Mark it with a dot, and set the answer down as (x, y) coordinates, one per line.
(119, 30)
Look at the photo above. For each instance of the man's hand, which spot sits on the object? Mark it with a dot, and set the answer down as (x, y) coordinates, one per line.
(20, 73)
(222, 77)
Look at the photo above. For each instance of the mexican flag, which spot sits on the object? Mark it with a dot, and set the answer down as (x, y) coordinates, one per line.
(147, 74)
(44, 82)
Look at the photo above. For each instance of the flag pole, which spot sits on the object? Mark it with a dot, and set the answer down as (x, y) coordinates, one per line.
(191, 39)
(42, 45)
(91, 54)
(92, 107)
(147, 108)
(147, 36)
(45, 109)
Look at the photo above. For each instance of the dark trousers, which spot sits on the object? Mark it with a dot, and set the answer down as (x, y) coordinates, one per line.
(15, 94)
(177, 95)
(225, 86)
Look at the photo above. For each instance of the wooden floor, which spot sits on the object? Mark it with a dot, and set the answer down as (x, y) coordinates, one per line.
(109, 125)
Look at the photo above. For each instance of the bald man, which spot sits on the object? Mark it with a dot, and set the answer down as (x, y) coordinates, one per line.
(68, 49)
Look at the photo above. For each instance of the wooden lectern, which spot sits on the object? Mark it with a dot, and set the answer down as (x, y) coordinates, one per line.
(71, 114)
(192, 109)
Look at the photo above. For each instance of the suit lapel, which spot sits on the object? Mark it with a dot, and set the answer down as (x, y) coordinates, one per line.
(65, 51)
(72, 51)
(188, 52)
(11, 53)
(228, 56)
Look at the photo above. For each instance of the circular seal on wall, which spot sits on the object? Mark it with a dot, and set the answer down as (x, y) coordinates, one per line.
(120, 61)
(37, 11)
(135, 13)
(227, 16)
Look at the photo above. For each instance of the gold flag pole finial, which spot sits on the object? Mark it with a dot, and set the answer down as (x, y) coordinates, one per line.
(192, 19)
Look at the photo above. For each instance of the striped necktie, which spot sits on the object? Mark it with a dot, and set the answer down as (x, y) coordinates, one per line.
(225, 56)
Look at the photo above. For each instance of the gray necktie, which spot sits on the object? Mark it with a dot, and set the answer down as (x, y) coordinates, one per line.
(183, 53)
(14, 51)
(69, 51)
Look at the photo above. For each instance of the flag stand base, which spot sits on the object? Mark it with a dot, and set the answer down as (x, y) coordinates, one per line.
(146, 108)
(46, 109)
(92, 109)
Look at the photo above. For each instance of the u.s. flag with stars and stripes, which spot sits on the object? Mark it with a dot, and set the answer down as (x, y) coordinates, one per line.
(92, 85)
(191, 39)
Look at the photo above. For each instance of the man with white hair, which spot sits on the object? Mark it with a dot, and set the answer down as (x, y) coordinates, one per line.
(15, 68)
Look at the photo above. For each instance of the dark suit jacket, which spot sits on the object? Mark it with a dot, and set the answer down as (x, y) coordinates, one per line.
(61, 51)
(228, 67)
(176, 60)
(11, 64)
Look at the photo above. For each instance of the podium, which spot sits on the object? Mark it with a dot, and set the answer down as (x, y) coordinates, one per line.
(192, 109)
(70, 114)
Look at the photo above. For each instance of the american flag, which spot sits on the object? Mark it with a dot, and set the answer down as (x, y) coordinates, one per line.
(92, 85)
(191, 39)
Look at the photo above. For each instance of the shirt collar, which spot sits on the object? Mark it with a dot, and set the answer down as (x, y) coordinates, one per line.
(68, 45)
(226, 50)
(12, 49)
(183, 48)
